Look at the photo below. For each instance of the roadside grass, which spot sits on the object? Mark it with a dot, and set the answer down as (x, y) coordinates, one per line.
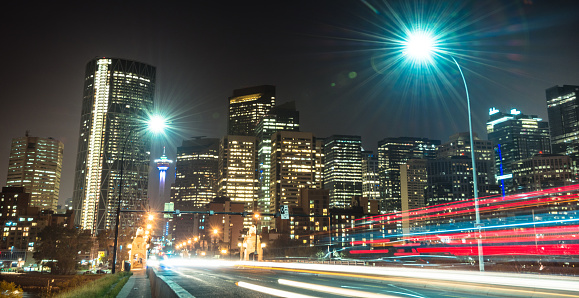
(107, 286)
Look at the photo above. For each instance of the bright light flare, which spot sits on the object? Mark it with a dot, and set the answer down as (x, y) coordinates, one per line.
(420, 46)
(157, 124)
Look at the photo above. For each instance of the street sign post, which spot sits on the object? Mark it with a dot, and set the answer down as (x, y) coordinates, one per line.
(284, 211)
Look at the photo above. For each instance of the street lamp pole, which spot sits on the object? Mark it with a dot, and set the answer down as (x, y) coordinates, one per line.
(156, 124)
(118, 215)
(474, 174)
(420, 46)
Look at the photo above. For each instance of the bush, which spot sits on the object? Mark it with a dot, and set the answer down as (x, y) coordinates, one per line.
(10, 290)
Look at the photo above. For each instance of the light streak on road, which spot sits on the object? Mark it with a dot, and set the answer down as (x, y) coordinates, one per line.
(332, 290)
(271, 291)
(501, 279)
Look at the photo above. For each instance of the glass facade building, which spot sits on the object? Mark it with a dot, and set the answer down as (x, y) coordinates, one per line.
(449, 176)
(196, 174)
(515, 136)
(36, 164)
(117, 101)
(563, 111)
(370, 176)
(343, 169)
(393, 153)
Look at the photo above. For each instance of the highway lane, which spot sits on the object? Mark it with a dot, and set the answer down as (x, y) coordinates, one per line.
(209, 279)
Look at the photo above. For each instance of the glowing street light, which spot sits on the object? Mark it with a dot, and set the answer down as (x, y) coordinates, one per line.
(155, 125)
(420, 46)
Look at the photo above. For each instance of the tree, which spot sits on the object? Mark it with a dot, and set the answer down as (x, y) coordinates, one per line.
(62, 245)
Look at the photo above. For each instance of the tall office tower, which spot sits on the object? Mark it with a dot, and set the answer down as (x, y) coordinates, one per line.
(247, 106)
(563, 108)
(36, 164)
(238, 172)
(117, 99)
(280, 118)
(370, 176)
(450, 175)
(197, 171)
(413, 182)
(163, 165)
(293, 167)
(343, 169)
(515, 136)
(392, 153)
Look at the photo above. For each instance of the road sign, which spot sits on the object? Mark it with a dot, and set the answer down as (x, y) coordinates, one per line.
(284, 211)
(169, 207)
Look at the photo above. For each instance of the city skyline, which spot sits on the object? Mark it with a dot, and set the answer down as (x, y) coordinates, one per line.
(325, 63)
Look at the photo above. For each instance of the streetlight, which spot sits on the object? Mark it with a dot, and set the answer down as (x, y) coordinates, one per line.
(156, 124)
(420, 46)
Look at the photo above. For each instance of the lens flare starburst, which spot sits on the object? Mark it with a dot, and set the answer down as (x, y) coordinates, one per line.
(420, 46)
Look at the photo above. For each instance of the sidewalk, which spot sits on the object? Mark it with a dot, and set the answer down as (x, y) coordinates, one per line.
(137, 286)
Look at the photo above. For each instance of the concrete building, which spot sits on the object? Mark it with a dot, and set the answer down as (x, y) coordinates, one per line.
(238, 171)
(293, 167)
(246, 108)
(36, 164)
(543, 171)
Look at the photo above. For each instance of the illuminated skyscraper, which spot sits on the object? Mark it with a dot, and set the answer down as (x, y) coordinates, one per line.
(247, 106)
(392, 153)
(196, 173)
(36, 164)
(563, 110)
(117, 100)
(343, 169)
(280, 118)
(293, 167)
(515, 136)
(163, 165)
(238, 171)
(370, 176)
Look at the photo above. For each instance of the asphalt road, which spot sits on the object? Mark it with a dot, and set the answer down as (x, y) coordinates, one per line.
(232, 281)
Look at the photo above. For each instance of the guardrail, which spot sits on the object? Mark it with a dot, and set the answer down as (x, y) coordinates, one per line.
(162, 287)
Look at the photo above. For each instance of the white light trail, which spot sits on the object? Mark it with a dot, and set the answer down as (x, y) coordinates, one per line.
(271, 291)
(331, 290)
(503, 279)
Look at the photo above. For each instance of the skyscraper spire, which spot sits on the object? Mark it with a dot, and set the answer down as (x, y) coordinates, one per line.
(163, 165)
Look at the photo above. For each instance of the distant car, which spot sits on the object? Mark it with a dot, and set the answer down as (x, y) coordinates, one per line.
(101, 271)
(88, 272)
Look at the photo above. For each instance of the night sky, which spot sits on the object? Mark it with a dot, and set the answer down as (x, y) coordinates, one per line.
(336, 59)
